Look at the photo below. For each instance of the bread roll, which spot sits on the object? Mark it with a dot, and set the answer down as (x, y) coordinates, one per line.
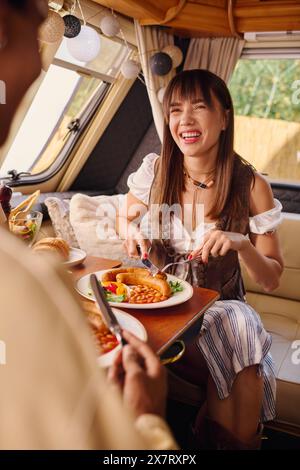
(54, 245)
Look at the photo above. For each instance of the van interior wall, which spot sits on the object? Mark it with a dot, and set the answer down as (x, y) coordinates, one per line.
(288, 195)
(128, 138)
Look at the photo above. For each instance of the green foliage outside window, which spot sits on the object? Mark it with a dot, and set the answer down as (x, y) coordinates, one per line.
(263, 88)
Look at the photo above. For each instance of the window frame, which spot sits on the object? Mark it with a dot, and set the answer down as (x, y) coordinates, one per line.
(284, 50)
(56, 166)
(86, 117)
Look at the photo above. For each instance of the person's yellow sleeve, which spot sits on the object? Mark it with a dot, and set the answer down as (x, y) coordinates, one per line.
(155, 432)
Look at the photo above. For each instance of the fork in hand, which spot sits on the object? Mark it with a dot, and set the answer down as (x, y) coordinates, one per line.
(147, 263)
(172, 264)
(154, 269)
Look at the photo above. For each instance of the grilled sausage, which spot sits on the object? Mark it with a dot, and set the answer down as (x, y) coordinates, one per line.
(134, 279)
(161, 275)
(111, 275)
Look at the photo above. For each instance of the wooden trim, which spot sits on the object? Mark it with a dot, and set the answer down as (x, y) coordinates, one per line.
(84, 70)
(172, 12)
(267, 10)
(140, 9)
(208, 19)
(280, 23)
(231, 20)
(196, 18)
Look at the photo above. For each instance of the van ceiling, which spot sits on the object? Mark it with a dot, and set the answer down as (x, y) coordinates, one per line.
(194, 18)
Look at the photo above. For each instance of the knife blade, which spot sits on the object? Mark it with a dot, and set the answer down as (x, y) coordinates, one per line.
(106, 310)
(147, 263)
(150, 266)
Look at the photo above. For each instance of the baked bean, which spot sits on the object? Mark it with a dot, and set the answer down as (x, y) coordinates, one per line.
(142, 294)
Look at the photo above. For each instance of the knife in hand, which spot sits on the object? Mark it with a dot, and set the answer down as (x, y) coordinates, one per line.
(106, 310)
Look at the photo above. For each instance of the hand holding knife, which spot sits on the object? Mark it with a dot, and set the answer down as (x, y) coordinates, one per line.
(106, 310)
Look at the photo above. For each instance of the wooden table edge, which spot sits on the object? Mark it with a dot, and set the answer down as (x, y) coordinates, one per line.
(187, 325)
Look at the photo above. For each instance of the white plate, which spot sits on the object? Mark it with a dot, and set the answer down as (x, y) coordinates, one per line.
(83, 287)
(128, 322)
(76, 256)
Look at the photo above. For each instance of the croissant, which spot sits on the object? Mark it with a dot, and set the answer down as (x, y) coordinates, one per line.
(54, 245)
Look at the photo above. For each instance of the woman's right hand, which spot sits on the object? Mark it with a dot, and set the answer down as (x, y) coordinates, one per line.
(136, 246)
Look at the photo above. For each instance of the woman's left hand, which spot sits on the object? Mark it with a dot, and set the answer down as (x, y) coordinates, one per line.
(218, 243)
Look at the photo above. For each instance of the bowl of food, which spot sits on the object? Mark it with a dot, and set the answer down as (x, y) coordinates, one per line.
(106, 343)
(26, 226)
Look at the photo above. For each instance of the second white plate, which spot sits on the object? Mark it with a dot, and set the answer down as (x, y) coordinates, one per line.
(76, 256)
(127, 322)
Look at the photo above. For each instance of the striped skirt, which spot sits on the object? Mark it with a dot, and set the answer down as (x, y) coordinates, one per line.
(232, 337)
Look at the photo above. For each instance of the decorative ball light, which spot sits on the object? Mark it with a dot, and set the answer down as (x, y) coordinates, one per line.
(175, 53)
(110, 26)
(86, 46)
(72, 26)
(160, 63)
(53, 28)
(130, 69)
(160, 94)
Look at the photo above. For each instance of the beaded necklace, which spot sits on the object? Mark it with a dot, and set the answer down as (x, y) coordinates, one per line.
(207, 183)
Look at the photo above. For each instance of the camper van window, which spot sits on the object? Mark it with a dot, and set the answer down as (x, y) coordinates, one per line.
(70, 88)
(266, 97)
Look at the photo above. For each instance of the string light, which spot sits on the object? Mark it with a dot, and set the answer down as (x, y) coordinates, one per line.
(72, 26)
(130, 69)
(175, 53)
(86, 46)
(160, 63)
(110, 25)
(83, 43)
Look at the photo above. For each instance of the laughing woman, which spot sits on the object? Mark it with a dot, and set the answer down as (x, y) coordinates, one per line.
(68, 404)
(198, 169)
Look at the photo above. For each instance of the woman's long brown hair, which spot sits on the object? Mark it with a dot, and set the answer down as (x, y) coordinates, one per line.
(169, 183)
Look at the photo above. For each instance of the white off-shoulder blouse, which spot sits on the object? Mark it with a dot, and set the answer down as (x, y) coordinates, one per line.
(139, 184)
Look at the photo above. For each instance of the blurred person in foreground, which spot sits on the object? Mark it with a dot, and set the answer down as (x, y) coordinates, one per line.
(53, 395)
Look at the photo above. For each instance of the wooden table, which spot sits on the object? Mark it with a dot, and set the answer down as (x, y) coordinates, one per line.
(163, 325)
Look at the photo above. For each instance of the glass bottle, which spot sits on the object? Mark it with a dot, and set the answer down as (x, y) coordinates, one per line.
(5, 198)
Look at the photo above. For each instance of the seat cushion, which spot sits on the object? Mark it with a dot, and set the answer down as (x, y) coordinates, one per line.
(40, 206)
(94, 222)
(281, 318)
(289, 235)
(58, 210)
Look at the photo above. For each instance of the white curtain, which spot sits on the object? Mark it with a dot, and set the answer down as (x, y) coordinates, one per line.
(219, 55)
(151, 40)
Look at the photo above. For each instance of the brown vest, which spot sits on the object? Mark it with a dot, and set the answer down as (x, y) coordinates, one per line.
(223, 273)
